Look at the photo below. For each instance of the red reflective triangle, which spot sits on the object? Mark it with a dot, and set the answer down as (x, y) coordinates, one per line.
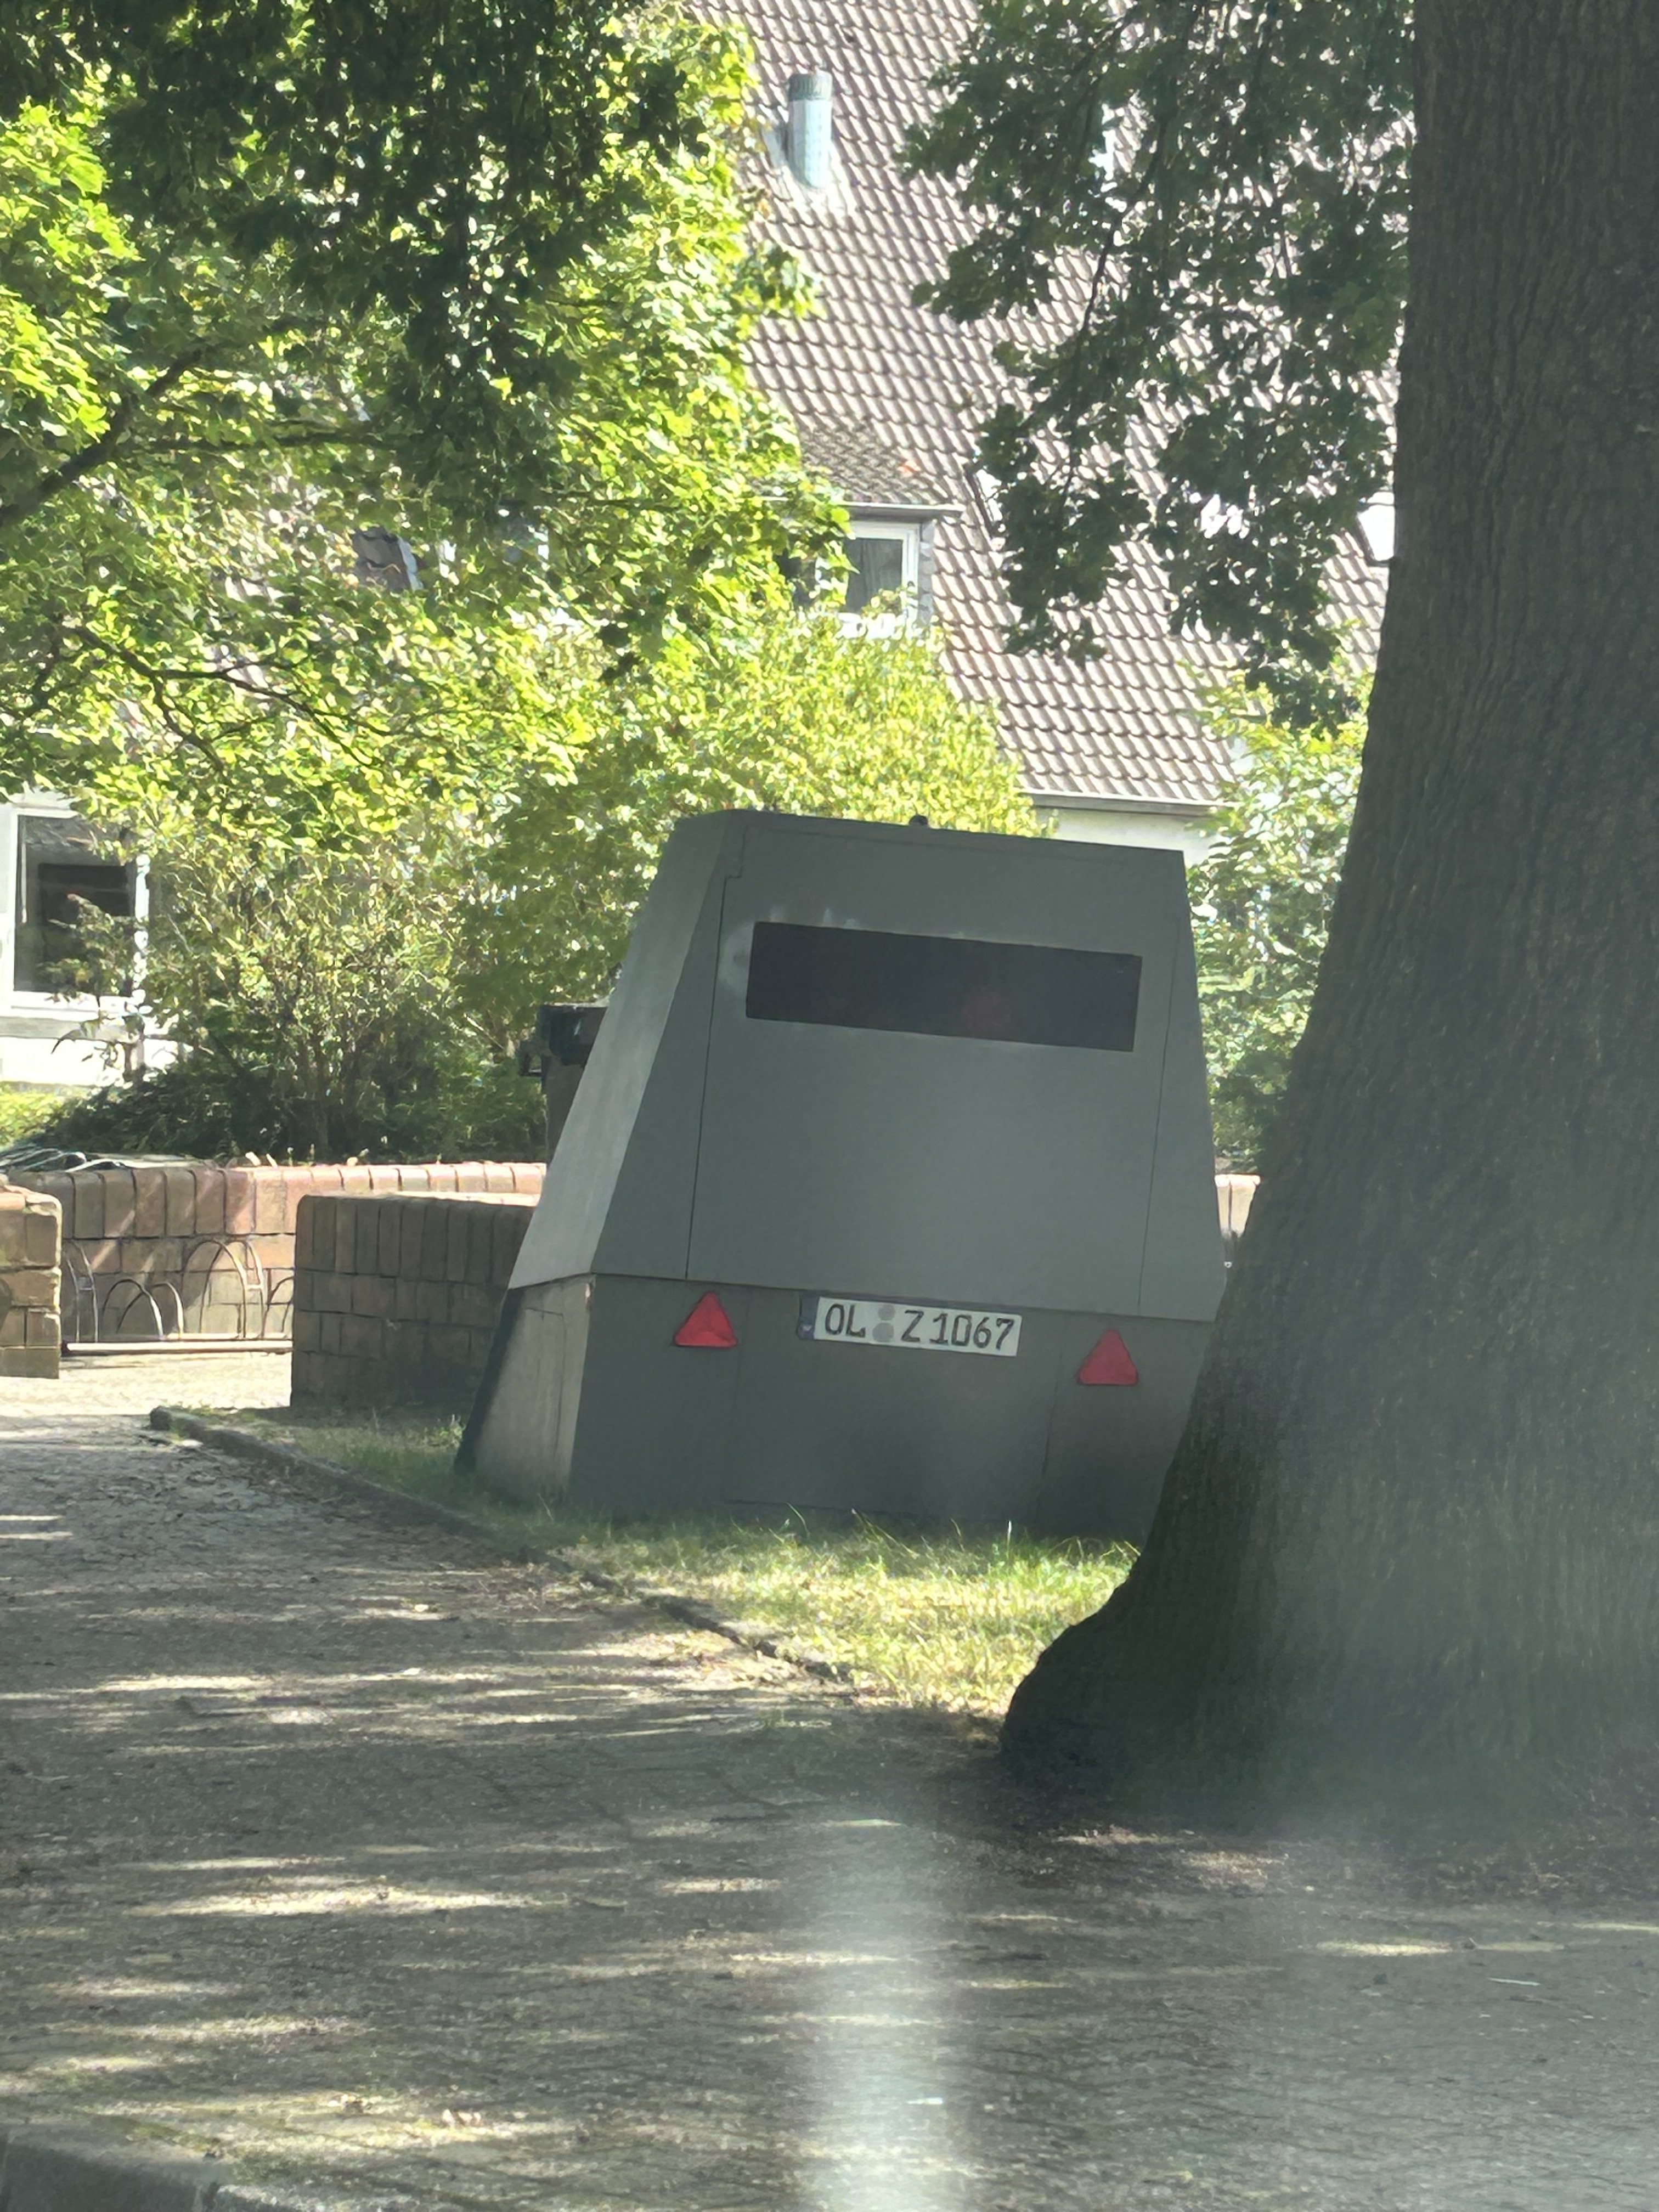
(1109, 1362)
(708, 1327)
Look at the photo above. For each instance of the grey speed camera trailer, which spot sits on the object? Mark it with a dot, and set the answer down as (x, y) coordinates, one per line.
(888, 1187)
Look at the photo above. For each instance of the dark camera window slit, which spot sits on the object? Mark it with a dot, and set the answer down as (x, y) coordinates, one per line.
(951, 987)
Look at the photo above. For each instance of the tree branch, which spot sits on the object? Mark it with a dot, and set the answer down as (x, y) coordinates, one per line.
(123, 415)
(309, 434)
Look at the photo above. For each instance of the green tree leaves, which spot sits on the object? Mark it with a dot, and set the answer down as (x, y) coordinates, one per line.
(203, 409)
(1262, 898)
(364, 995)
(793, 714)
(449, 171)
(1194, 211)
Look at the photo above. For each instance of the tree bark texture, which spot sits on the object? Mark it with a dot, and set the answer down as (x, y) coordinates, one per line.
(1413, 1525)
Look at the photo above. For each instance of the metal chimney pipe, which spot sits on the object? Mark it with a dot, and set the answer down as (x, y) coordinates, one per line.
(811, 127)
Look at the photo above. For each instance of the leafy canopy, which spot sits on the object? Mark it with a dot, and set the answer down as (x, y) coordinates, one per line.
(229, 354)
(1195, 210)
(359, 993)
(793, 714)
(1262, 898)
(446, 172)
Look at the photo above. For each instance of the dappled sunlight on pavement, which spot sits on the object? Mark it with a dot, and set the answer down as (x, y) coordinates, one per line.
(121, 1384)
(338, 1850)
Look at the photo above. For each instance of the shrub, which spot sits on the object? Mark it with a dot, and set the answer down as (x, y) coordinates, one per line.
(790, 714)
(1261, 901)
(314, 996)
(364, 997)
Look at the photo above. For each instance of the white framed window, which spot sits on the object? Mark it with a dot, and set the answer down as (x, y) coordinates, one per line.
(886, 559)
(60, 865)
(51, 1036)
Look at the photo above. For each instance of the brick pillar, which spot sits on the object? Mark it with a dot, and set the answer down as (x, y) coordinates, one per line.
(31, 1257)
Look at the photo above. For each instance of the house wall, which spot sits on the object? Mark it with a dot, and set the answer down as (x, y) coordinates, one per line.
(1122, 825)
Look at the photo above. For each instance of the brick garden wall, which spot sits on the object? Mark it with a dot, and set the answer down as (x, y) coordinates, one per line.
(31, 1229)
(152, 1223)
(397, 1279)
(395, 1297)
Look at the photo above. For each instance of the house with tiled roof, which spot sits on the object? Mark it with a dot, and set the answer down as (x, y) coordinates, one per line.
(887, 396)
(887, 399)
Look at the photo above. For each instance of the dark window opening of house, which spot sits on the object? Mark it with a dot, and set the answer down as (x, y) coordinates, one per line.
(878, 569)
(952, 987)
(383, 558)
(59, 866)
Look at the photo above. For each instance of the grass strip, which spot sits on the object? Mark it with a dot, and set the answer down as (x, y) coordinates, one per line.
(946, 1618)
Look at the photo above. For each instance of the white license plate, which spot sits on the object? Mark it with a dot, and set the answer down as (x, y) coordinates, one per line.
(910, 1327)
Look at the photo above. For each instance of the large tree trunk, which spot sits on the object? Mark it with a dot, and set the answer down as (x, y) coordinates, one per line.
(1413, 1525)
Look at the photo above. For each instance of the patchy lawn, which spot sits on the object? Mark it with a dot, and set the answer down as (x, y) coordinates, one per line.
(943, 1619)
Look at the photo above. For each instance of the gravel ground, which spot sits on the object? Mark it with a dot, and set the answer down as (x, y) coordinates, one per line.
(381, 1869)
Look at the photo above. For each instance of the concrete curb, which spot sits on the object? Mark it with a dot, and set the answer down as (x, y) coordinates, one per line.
(398, 1505)
(61, 2170)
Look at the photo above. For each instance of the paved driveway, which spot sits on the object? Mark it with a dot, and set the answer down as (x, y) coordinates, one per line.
(383, 1869)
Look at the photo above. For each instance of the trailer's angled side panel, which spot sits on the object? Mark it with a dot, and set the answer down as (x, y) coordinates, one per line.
(618, 1189)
